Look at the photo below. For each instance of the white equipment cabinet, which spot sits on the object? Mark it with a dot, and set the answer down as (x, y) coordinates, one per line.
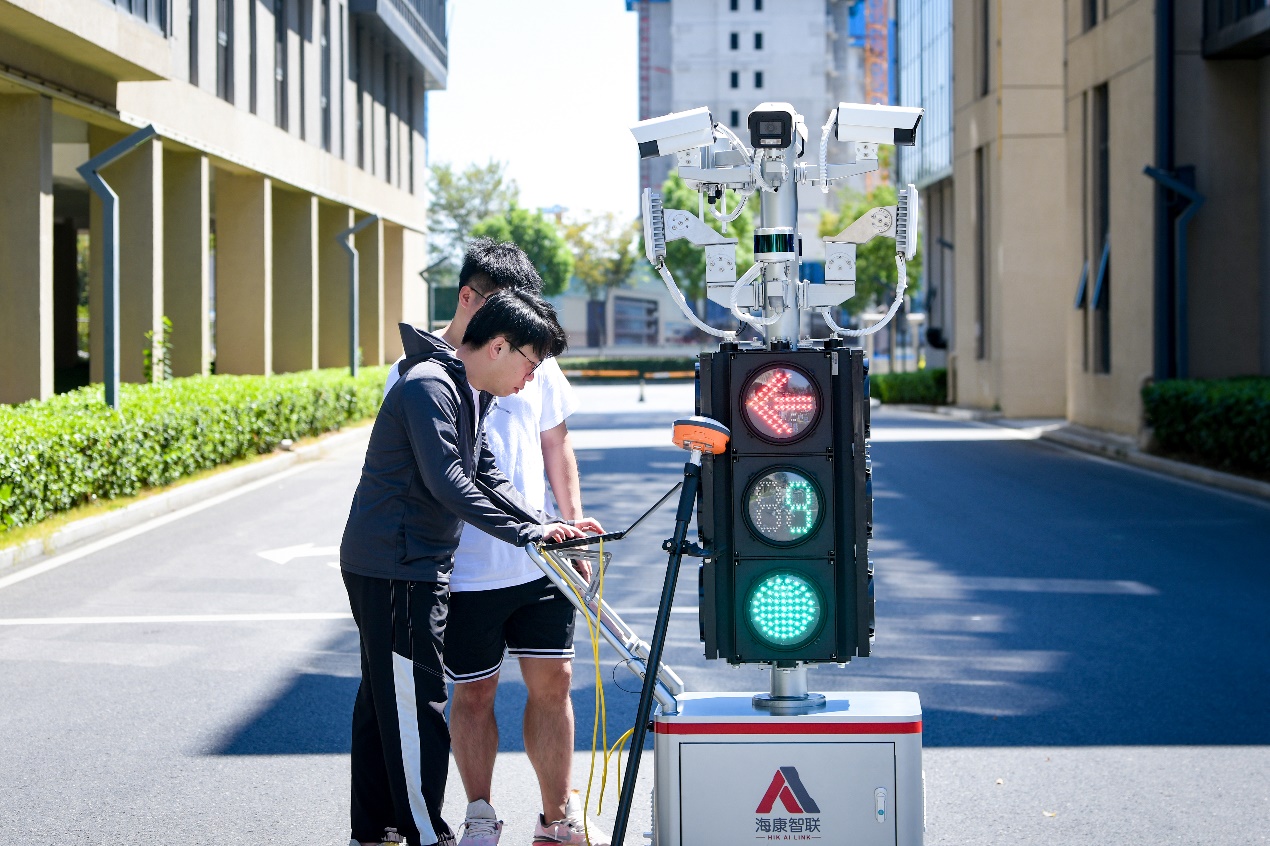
(729, 773)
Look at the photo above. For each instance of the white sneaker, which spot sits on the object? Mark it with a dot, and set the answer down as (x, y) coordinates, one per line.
(572, 830)
(482, 826)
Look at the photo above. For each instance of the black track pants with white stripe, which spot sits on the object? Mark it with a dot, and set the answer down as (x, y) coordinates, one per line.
(401, 744)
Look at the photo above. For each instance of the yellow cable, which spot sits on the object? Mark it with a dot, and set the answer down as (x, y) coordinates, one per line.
(616, 750)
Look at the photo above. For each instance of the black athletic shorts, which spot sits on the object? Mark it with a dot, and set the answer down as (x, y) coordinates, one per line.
(532, 620)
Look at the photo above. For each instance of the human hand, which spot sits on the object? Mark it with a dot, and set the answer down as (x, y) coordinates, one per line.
(583, 566)
(553, 532)
(589, 524)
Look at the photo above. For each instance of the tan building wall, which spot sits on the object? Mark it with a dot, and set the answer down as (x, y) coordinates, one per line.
(1220, 130)
(1118, 53)
(269, 185)
(1009, 350)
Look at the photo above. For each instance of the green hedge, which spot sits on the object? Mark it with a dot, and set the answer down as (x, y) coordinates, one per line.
(928, 386)
(1222, 422)
(67, 450)
(644, 365)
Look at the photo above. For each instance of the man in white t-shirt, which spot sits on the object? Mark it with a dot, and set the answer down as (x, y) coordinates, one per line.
(500, 602)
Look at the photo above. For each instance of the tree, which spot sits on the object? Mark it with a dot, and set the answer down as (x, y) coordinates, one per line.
(688, 263)
(875, 261)
(605, 251)
(458, 202)
(540, 240)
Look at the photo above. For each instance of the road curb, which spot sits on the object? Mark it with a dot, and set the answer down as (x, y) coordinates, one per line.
(97, 526)
(1108, 445)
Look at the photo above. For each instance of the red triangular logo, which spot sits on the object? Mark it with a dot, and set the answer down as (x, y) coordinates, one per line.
(779, 789)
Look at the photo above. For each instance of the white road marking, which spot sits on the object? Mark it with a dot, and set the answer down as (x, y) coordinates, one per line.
(275, 617)
(906, 434)
(287, 554)
(105, 543)
(938, 585)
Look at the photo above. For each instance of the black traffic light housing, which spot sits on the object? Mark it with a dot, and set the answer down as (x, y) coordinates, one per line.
(786, 511)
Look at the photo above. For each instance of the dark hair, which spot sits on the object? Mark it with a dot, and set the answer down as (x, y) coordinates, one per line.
(523, 318)
(504, 264)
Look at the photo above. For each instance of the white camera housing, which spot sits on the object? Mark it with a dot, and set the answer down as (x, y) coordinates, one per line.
(878, 124)
(674, 133)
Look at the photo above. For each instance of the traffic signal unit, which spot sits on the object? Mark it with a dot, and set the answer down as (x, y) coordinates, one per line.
(786, 511)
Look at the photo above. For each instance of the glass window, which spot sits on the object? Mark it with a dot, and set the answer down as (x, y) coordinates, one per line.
(734, 41)
(736, 79)
(280, 64)
(736, 118)
(758, 41)
(758, 79)
(224, 50)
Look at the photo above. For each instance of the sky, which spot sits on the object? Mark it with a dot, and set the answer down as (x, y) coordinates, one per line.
(551, 87)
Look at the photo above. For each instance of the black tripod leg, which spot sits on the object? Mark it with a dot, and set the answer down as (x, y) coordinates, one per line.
(687, 501)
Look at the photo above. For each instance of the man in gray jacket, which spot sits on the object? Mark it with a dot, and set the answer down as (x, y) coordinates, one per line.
(427, 471)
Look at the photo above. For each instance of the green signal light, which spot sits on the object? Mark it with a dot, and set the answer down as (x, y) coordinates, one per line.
(785, 609)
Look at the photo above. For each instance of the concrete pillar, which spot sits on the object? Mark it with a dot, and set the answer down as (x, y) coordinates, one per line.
(395, 283)
(65, 295)
(415, 307)
(138, 180)
(26, 244)
(370, 249)
(244, 273)
(295, 281)
(333, 283)
(186, 260)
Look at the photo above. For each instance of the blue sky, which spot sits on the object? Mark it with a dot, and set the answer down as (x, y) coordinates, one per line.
(550, 87)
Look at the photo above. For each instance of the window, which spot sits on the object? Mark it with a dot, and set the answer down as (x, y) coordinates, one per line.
(410, 132)
(734, 41)
(251, 56)
(1091, 13)
(1101, 220)
(343, 76)
(758, 79)
(324, 100)
(388, 111)
(732, 6)
(736, 118)
(985, 47)
(355, 66)
(193, 37)
(280, 63)
(758, 41)
(981, 253)
(302, 24)
(736, 79)
(758, 5)
(224, 50)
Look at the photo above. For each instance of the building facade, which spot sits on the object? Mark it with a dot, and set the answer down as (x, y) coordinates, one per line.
(1111, 219)
(1168, 198)
(280, 123)
(925, 61)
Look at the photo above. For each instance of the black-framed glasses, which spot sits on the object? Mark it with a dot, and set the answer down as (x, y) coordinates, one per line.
(484, 296)
(536, 364)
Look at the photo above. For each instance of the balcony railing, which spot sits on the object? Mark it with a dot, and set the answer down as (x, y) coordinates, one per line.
(1236, 29)
(424, 28)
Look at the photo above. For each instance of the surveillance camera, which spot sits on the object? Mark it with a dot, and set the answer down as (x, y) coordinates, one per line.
(878, 124)
(773, 125)
(674, 133)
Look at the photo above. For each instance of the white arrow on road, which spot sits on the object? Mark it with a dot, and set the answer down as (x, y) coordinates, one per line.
(287, 554)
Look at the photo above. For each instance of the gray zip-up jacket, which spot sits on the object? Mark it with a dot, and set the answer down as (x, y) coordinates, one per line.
(428, 470)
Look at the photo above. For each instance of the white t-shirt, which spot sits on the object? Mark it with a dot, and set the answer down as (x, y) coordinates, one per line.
(513, 430)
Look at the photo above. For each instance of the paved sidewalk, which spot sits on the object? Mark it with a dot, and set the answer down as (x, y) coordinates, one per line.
(1106, 444)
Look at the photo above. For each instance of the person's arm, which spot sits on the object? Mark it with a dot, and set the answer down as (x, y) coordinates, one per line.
(430, 414)
(562, 470)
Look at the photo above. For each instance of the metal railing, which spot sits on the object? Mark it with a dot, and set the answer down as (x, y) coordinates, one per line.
(426, 19)
(1219, 14)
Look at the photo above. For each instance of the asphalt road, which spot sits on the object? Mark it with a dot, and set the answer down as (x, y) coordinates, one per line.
(1089, 642)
